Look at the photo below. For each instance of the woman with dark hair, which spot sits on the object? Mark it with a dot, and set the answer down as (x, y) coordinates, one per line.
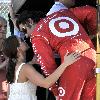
(40, 92)
(23, 78)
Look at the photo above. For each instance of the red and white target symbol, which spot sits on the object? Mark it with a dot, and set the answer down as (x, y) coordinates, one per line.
(61, 91)
(63, 26)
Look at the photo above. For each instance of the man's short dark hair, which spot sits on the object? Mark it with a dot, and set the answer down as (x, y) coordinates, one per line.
(25, 15)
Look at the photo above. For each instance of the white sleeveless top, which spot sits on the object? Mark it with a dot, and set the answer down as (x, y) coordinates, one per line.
(22, 91)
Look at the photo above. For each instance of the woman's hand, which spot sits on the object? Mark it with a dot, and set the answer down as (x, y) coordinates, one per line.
(71, 58)
(34, 60)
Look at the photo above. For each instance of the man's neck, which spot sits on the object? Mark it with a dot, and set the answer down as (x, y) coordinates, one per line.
(56, 7)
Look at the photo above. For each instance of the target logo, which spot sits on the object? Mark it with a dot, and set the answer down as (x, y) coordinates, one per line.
(63, 26)
(61, 91)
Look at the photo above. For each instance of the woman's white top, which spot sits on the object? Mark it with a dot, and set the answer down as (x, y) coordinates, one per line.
(22, 91)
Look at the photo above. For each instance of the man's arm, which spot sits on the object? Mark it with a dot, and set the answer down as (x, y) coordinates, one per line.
(45, 58)
(87, 15)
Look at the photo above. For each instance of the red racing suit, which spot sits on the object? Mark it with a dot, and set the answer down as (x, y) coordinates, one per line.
(63, 33)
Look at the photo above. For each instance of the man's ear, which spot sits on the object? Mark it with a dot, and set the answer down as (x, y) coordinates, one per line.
(30, 21)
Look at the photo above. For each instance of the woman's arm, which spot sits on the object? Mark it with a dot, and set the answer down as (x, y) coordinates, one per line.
(39, 80)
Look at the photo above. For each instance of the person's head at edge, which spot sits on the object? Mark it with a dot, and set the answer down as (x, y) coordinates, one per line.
(3, 30)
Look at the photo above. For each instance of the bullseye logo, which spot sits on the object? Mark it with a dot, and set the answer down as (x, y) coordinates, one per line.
(63, 26)
(61, 91)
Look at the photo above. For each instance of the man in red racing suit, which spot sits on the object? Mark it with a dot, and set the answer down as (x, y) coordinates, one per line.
(63, 33)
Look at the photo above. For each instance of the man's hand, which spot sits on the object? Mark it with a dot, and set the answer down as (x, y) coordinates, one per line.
(34, 60)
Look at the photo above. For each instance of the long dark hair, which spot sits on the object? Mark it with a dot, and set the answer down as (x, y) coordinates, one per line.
(10, 50)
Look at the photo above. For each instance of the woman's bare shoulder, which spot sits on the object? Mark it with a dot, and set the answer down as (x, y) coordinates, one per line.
(27, 67)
